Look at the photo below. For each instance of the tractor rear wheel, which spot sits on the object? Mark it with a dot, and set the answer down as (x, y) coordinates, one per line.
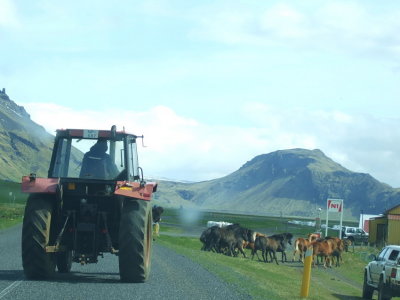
(135, 239)
(36, 235)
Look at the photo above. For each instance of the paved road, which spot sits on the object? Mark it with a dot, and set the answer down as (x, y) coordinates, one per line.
(172, 277)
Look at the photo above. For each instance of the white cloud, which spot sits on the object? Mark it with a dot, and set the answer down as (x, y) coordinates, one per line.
(8, 14)
(332, 26)
(284, 21)
(181, 148)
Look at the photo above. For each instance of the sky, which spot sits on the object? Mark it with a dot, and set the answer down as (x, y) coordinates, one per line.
(212, 84)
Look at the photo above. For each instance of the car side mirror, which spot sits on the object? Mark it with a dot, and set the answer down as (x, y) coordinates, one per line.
(372, 257)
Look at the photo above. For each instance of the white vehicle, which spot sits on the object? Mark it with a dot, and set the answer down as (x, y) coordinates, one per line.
(219, 224)
(383, 274)
(355, 234)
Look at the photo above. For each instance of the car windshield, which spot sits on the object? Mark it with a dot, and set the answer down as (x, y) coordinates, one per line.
(89, 158)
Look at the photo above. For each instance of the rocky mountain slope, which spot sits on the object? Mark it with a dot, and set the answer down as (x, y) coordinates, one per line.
(25, 146)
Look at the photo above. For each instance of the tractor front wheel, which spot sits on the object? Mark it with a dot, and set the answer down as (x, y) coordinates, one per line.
(135, 240)
(36, 235)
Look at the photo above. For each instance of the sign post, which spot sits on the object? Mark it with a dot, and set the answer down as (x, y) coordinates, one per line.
(334, 205)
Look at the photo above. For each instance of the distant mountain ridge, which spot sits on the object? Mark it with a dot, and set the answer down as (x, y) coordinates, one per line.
(10, 105)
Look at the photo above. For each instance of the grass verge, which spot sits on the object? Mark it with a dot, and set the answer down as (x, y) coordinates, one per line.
(270, 281)
(11, 214)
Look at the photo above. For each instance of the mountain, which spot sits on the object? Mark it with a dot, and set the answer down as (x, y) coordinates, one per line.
(289, 182)
(25, 146)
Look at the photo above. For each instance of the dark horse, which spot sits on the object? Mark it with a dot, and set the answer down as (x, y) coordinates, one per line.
(284, 239)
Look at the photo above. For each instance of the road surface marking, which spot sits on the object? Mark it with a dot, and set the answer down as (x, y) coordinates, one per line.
(10, 288)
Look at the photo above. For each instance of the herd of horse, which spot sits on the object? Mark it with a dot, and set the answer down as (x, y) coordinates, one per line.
(330, 249)
(233, 239)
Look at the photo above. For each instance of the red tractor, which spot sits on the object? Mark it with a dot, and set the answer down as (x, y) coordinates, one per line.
(94, 201)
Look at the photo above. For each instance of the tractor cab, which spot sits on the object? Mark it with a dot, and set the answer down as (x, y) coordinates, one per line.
(94, 154)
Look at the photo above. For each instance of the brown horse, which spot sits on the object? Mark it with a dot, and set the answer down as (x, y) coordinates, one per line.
(300, 246)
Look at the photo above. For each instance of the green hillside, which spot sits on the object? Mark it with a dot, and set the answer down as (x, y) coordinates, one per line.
(25, 146)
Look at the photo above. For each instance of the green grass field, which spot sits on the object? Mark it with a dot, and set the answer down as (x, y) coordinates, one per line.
(12, 204)
(10, 214)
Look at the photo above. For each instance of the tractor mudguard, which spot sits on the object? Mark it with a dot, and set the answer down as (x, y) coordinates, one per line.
(39, 185)
(135, 190)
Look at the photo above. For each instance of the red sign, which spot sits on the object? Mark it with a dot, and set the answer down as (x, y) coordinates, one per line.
(335, 205)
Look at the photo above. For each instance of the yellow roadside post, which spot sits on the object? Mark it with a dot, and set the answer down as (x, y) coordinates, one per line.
(156, 229)
(305, 286)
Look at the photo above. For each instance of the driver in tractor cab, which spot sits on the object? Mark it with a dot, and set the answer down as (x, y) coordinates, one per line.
(97, 163)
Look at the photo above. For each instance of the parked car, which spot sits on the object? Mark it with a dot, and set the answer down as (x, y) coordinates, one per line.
(383, 274)
(355, 235)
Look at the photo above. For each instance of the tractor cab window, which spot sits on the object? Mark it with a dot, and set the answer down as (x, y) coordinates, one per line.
(97, 163)
(89, 158)
(133, 159)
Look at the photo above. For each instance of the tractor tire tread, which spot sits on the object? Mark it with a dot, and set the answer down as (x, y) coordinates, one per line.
(135, 241)
(37, 264)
